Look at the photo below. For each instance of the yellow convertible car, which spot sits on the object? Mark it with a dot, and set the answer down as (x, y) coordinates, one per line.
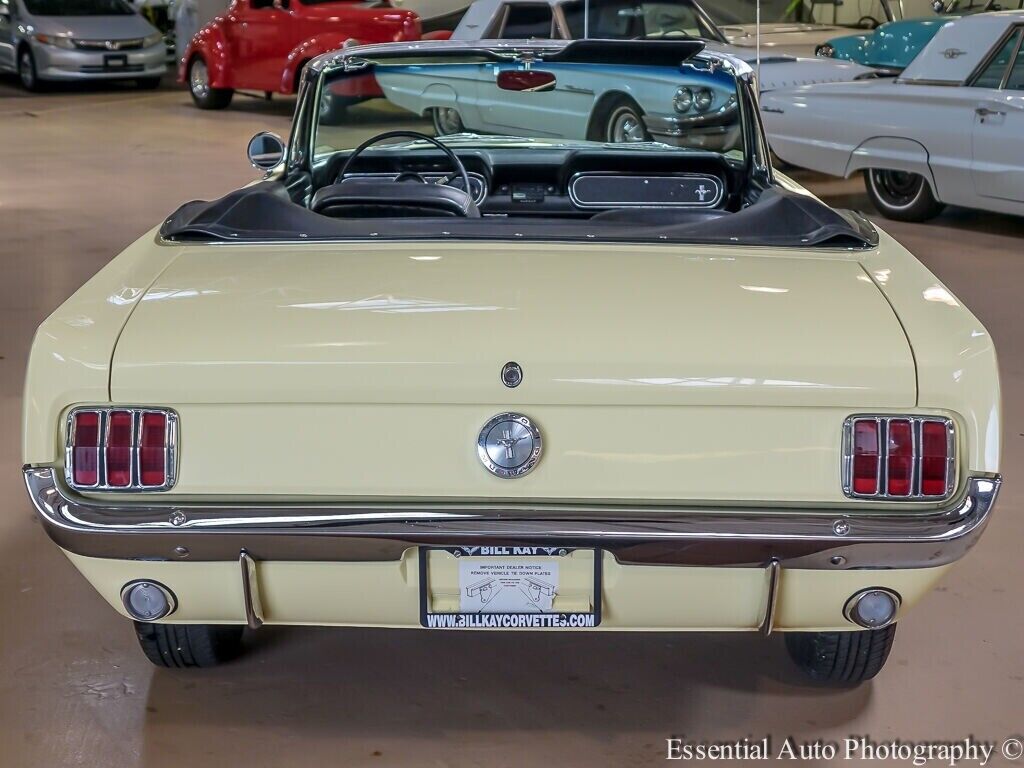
(521, 379)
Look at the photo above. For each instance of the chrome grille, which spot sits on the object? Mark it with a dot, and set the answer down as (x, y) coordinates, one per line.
(109, 45)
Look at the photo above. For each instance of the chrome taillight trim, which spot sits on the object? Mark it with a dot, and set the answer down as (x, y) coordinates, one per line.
(916, 424)
(135, 485)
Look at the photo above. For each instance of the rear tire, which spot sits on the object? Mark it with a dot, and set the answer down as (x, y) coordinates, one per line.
(901, 195)
(841, 658)
(205, 96)
(189, 645)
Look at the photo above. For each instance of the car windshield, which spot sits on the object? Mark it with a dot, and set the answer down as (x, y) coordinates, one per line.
(78, 8)
(503, 100)
(632, 20)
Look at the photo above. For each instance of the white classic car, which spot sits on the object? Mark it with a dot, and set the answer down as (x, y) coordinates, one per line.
(786, 28)
(949, 129)
(514, 382)
(646, 20)
(797, 27)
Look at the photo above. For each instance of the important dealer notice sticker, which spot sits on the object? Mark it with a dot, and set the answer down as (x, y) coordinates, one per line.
(504, 588)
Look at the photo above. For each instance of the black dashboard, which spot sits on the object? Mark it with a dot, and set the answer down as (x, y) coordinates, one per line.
(564, 183)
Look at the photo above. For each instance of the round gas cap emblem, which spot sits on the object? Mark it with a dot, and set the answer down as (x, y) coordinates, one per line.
(509, 445)
(511, 375)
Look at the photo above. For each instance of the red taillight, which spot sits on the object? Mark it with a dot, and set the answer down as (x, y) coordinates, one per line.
(119, 449)
(152, 453)
(85, 448)
(865, 457)
(934, 458)
(900, 458)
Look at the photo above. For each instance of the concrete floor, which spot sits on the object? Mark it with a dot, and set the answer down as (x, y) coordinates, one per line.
(82, 173)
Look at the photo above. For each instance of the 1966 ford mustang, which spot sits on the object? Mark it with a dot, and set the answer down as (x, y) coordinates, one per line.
(510, 381)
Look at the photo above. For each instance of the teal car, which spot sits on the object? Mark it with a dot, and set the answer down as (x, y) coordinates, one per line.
(893, 45)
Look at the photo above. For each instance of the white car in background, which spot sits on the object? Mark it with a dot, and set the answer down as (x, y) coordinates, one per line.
(74, 40)
(948, 130)
(798, 28)
(655, 99)
(639, 20)
(728, 27)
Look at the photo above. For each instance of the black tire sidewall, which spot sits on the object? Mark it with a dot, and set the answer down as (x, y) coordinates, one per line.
(22, 55)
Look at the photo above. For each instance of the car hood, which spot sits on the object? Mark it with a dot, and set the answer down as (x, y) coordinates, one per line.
(400, 323)
(788, 71)
(128, 27)
(781, 37)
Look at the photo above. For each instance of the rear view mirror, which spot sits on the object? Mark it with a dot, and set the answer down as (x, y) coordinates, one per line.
(266, 150)
(529, 80)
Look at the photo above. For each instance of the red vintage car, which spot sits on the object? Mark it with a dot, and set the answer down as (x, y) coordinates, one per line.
(262, 45)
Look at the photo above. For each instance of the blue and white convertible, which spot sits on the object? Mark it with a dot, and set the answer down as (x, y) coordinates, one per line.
(693, 104)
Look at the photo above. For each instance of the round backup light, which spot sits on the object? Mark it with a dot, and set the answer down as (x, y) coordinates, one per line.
(683, 100)
(147, 600)
(702, 99)
(873, 608)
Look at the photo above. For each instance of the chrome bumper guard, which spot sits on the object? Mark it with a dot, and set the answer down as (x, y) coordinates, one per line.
(647, 535)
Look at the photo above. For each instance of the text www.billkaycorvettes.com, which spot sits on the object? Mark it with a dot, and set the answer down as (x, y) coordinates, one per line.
(508, 620)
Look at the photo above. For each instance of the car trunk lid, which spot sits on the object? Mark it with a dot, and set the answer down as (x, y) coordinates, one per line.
(400, 323)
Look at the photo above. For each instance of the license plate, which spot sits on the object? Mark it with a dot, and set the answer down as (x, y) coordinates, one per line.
(509, 587)
(117, 61)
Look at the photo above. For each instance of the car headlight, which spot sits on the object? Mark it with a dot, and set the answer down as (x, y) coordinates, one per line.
(58, 41)
(702, 99)
(683, 100)
(154, 39)
(825, 50)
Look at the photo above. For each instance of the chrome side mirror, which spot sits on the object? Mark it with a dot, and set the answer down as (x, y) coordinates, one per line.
(266, 150)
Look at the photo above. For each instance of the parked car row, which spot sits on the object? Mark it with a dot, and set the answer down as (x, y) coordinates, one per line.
(928, 105)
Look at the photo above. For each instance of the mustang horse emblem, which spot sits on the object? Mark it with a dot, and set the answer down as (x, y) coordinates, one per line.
(509, 445)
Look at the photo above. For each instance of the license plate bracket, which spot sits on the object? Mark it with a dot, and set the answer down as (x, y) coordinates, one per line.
(532, 587)
(115, 61)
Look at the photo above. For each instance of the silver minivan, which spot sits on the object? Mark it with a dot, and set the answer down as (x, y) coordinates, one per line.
(45, 40)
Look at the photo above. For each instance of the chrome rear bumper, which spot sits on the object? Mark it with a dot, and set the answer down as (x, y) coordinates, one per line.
(649, 535)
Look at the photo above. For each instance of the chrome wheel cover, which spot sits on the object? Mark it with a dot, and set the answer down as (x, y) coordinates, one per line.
(897, 188)
(625, 126)
(199, 79)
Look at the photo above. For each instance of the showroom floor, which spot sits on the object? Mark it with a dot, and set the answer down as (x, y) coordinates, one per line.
(85, 172)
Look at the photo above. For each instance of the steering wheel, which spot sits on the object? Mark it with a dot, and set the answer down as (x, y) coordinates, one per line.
(407, 194)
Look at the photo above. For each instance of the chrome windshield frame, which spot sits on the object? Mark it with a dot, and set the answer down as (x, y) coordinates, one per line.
(301, 149)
